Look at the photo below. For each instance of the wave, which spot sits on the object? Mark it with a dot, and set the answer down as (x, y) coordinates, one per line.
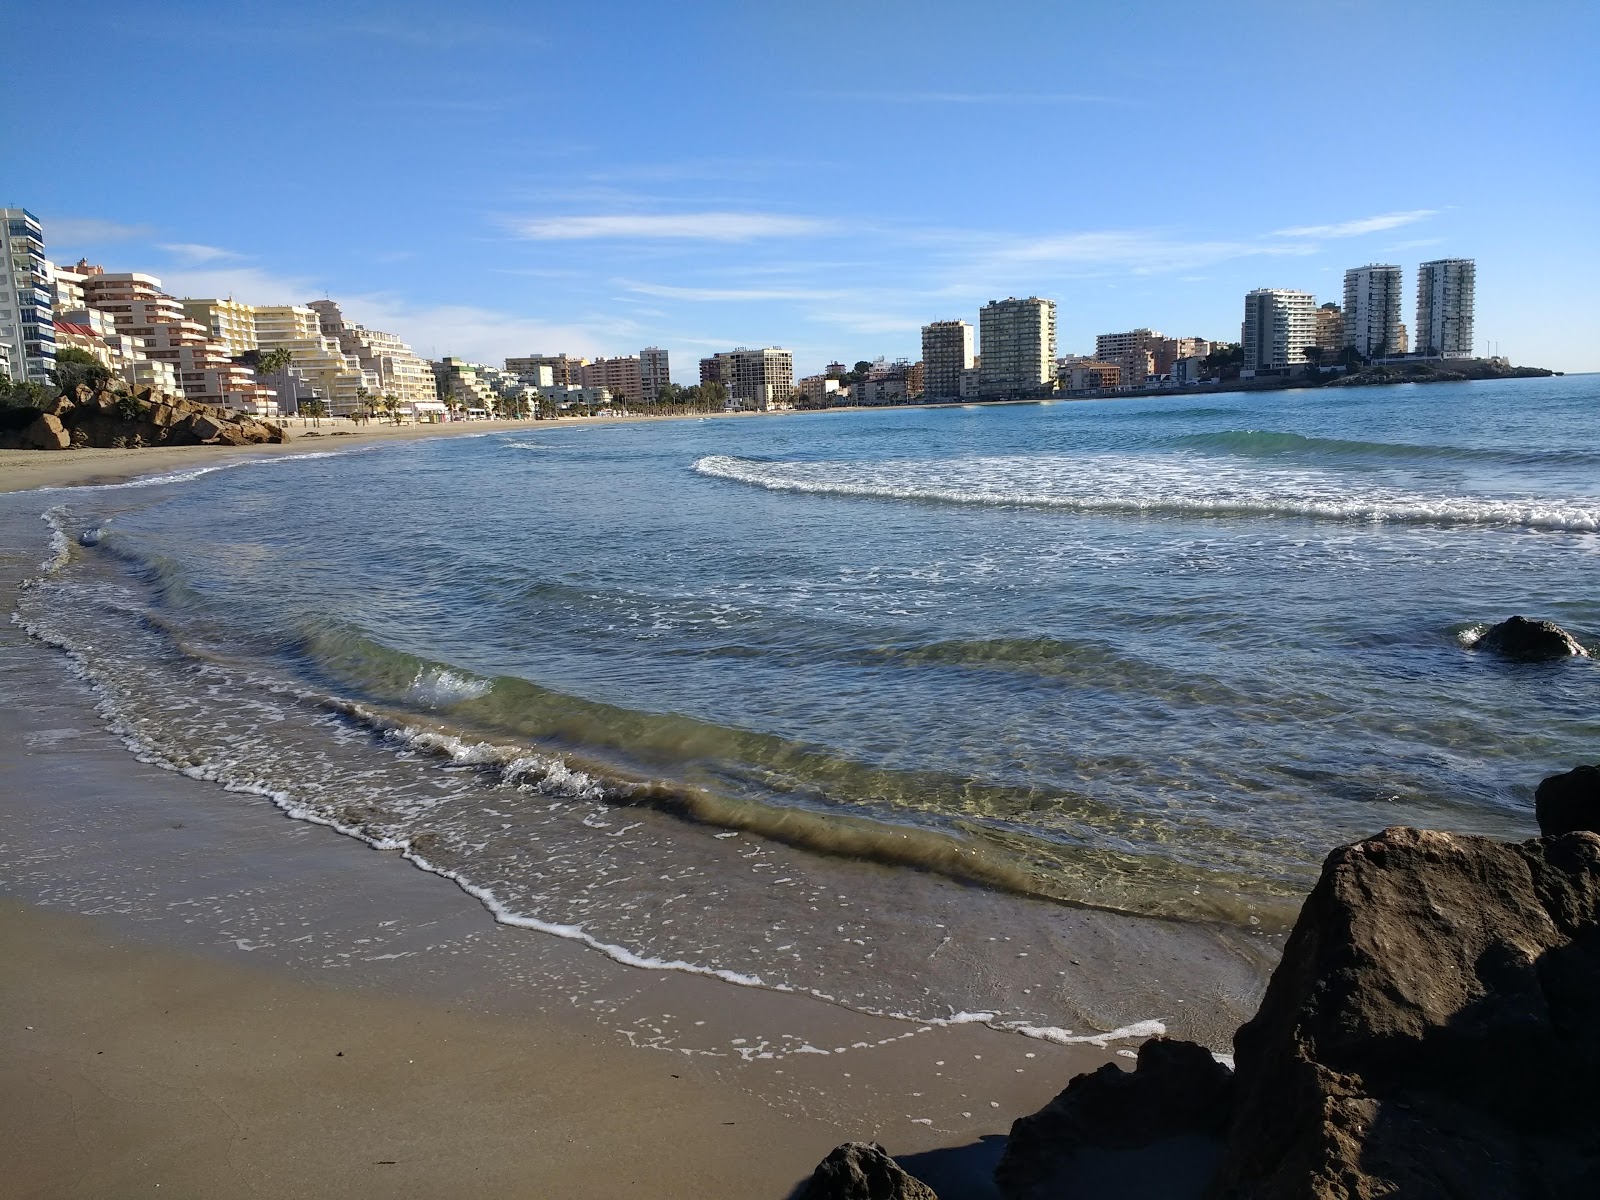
(1170, 485)
(1267, 443)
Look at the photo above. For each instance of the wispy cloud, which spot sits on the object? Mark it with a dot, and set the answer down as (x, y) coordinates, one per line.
(1356, 228)
(89, 229)
(250, 284)
(1017, 98)
(192, 254)
(702, 226)
(1138, 251)
(669, 292)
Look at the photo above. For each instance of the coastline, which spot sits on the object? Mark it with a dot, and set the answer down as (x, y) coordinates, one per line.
(220, 949)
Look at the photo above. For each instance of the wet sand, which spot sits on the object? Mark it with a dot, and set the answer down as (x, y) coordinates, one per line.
(188, 1020)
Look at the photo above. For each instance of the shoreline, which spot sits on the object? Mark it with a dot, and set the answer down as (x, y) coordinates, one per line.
(509, 1060)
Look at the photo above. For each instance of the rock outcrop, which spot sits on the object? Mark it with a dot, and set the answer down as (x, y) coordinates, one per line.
(119, 417)
(1433, 1029)
(862, 1171)
(1177, 1090)
(1530, 641)
(1569, 803)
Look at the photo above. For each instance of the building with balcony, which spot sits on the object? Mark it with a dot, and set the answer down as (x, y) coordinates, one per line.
(1446, 291)
(27, 308)
(755, 379)
(565, 369)
(622, 377)
(1279, 323)
(655, 372)
(947, 350)
(1133, 351)
(335, 377)
(819, 390)
(1167, 351)
(1091, 375)
(1330, 330)
(400, 372)
(231, 324)
(1017, 347)
(1372, 310)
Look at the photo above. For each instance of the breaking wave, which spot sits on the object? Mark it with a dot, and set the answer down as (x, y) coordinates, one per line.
(1170, 485)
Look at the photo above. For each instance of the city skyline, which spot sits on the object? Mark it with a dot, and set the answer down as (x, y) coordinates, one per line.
(609, 220)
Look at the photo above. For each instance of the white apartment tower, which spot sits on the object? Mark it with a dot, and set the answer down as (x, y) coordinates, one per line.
(1372, 310)
(654, 373)
(1445, 293)
(1017, 347)
(755, 379)
(1279, 324)
(946, 352)
(27, 315)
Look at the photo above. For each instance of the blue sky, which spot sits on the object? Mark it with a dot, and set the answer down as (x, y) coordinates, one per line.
(489, 179)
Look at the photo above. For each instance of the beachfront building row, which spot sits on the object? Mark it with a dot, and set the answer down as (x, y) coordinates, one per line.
(632, 379)
(755, 379)
(1016, 355)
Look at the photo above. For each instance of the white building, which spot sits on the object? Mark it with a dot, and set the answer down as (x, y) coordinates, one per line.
(1446, 290)
(1372, 310)
(400, 372)
(27, 312)
(947, 351)
(1279, 323)
(1017, 346)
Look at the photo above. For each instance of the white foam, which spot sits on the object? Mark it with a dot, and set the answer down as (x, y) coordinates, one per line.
(439, 686)
(1065, 1037)
(1176, 484)
(145, 481)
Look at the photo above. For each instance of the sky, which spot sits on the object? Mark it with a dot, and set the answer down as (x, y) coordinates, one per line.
(491, 179)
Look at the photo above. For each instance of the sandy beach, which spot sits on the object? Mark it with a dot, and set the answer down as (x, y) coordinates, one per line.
(209, 998)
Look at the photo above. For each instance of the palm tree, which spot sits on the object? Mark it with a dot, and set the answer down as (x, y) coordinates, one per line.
(391, 405)
(365, 402)
(315, 409)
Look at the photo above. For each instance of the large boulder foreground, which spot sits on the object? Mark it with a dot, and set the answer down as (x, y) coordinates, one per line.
(117, 417)
(1523, 640)
(1433, 1030)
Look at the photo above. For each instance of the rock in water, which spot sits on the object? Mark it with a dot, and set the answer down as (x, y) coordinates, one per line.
(1569, 803)
(1432, 1030)
(1177, 1090)
(1530, 641)
(863, 1171)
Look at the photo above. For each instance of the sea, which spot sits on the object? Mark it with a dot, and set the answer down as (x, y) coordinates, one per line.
(1044, 715)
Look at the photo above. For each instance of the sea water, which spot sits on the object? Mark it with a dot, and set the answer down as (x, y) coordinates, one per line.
(1044, 715)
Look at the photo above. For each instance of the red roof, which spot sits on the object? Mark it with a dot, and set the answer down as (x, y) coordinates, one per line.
(75, 329)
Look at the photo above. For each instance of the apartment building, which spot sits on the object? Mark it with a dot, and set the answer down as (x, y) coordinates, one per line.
(459, 385)
(655, 372)
(1017, 345)
(1446, 290)
(758, 379)
(621, 377)
(565, 370)
(1167, 351)
(27, 312)
(140, 310)
(401, 372)
(819, 389)
(1279, 323)
(231, 324)
(947, 351)
(334, 376)
(1330, 329)
(1091, 374)
(1134, 351)
(1372, 310)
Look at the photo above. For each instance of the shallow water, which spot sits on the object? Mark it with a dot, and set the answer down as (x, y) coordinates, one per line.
(767, 698)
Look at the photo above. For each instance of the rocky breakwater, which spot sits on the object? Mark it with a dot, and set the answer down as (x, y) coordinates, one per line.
(1432, 1030)
(123, 418)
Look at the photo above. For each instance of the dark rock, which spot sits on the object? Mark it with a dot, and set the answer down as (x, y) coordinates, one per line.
(1431, 1030)
(1530, 641)
(203, 426)
(1177, 1089)
(862, 1171)
(1569, 803)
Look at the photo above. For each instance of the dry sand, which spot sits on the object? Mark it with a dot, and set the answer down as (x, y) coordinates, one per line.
(187, 1025)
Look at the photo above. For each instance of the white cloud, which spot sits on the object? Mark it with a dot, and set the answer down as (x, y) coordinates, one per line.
(1140, 252)
(1356, 228)
(88, 229)
(192, 254)
(249, 284)
(704, 226)
(490, 335)
(670, 292)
